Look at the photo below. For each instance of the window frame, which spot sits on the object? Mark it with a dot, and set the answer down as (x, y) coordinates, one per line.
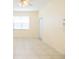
(27, 28)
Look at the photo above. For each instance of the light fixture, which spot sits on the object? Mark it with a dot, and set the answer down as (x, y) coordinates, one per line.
(24, 3)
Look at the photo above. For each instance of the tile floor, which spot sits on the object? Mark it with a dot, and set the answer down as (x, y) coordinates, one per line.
(34, 49)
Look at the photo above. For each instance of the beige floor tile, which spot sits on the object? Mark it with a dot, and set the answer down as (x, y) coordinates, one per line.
(58, 57)
(34, 49)
(19, 57)
(45, 57)
(32, 57)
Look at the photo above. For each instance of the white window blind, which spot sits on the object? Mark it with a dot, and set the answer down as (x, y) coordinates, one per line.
(21, 22)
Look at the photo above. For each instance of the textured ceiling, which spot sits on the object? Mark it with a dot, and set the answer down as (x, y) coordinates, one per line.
(35, 5)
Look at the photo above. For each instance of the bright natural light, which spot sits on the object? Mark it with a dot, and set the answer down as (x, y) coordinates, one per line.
(21, 22)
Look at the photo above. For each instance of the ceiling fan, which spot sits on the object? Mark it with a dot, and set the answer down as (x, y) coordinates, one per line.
(24, 3)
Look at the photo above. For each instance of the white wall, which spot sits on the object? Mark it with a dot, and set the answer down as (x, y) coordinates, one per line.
(53, 32)
(33, 32)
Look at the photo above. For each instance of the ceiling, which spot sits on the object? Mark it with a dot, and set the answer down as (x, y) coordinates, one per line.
(35, 5)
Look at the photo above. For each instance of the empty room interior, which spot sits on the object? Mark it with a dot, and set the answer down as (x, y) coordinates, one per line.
(38, 29)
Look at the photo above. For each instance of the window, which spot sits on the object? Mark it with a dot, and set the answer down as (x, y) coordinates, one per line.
(21, 22)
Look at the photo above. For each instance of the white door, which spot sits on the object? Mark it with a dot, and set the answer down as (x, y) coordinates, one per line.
(41, 27)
